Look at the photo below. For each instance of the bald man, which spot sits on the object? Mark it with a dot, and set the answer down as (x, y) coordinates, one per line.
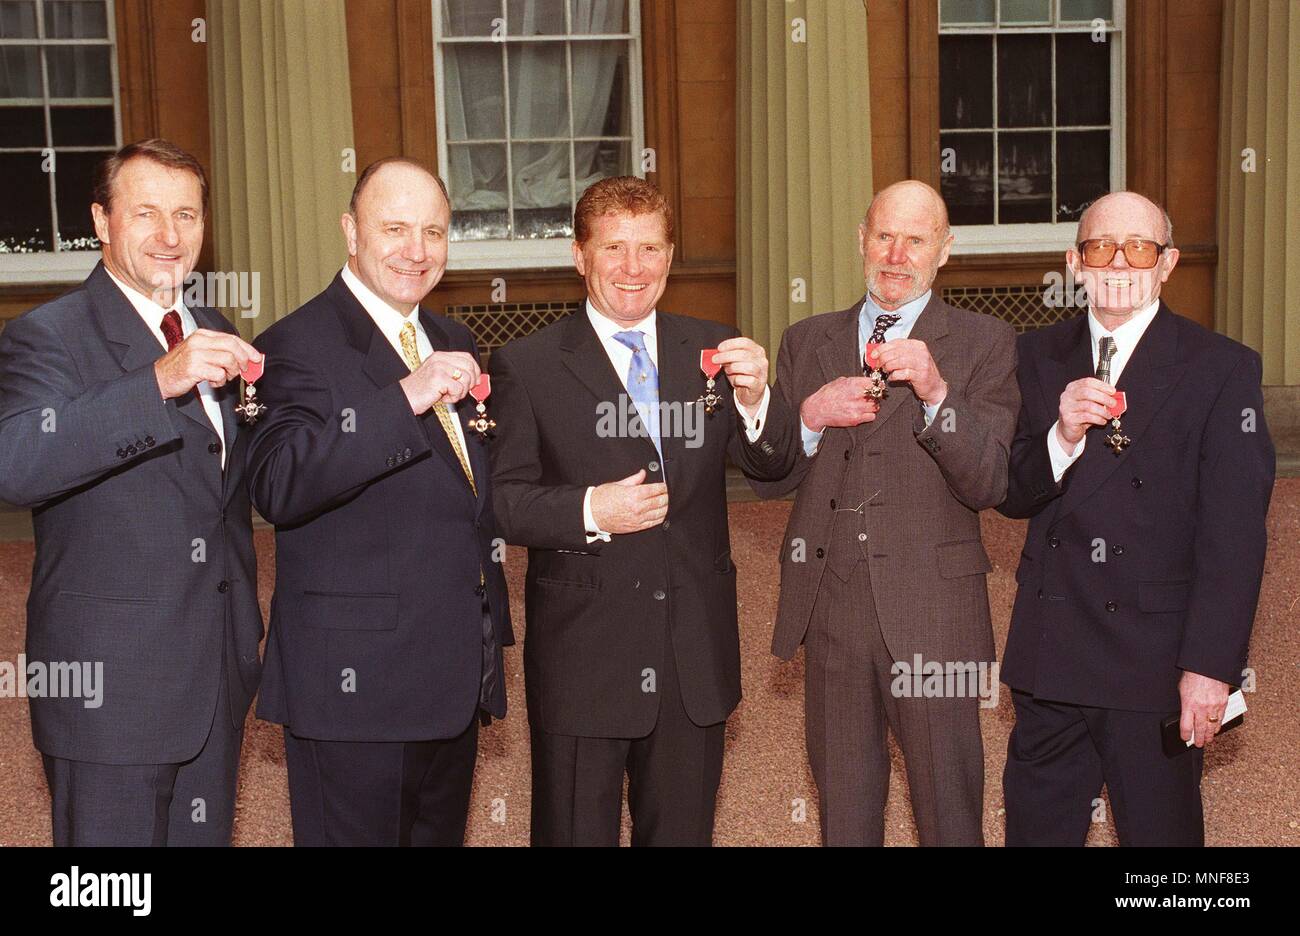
(882, 567)
(1142, 565)
(389, 613)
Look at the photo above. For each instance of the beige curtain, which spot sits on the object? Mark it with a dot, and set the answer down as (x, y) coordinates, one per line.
(804, 179)
(281, 115)
(1258, 277)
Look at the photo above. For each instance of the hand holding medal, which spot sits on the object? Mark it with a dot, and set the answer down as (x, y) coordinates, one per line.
(745, 363)
(249, 409)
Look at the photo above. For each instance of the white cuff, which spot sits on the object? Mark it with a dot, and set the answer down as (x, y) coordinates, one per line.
(589, 522)
(1061, 462)
(811, 440)
(931, 410)
(754, 427)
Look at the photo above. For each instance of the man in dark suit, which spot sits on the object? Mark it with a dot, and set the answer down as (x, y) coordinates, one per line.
(389, 612)
(609, 470)
(882, 570)
(1142, 565)
(117, 427)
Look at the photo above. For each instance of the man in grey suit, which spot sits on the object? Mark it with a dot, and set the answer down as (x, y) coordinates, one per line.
(117, 427)
(882, 569)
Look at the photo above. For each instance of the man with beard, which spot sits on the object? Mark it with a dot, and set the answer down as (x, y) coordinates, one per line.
(1142, 566)
(882, 567)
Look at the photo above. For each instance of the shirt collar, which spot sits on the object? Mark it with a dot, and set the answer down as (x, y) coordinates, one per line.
(150, 311)
(606, 328)
(1127, 335)
(388, 319)
(907, 313)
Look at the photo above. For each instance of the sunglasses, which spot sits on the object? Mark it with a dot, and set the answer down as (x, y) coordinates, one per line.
(1140, 254)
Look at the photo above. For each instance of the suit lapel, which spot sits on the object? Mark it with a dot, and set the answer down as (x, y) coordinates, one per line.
(1147, 380)
(838, 352)
(679, 366)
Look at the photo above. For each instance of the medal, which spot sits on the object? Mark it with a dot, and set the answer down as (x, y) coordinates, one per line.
(1116, 438)
(480, 391)
(249, 409)
(879, 387)
(711, 398)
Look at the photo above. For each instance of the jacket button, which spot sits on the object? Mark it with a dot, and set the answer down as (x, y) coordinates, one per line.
(1053, 541)
(667, 523)
(846, 454)
(214, 448)
(653, 466)
(130, 450)
(1137, 483)
(767, 448)
(821, 553)
(407, 453)
(479, 589)
(660, 595)
(1112, 606)
(121, 453)
(1117, 549)
(223, 587)
(390, 461)
(149, 441)
(1040, 593)
(832, 503)
(862, 537)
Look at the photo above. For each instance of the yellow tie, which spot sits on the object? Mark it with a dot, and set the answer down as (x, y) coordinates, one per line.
(412, 354)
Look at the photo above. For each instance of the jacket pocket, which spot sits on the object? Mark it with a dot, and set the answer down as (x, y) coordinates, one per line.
(966, 557)
(348, 610)
(1163, 597)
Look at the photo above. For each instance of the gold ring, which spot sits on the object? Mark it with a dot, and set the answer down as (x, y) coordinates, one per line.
(455, 375)
(1213, 718)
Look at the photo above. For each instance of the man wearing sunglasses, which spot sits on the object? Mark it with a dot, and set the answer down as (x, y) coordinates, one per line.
(1144, 464)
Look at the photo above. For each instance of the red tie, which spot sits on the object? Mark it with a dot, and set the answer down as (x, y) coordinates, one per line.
(171, 329)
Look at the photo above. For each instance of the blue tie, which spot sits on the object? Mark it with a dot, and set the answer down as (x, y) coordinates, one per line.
(642, 383)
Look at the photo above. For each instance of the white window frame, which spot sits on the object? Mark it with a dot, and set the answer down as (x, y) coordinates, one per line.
(62, 266)
(534, 253)
(975, 239)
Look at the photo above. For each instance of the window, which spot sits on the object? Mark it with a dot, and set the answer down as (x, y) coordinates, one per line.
(59, 111)
(537, 99)
(1031, 96)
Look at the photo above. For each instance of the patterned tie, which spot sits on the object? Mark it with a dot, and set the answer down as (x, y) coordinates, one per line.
(411, 352)
(884, 322)
(642, 383)
(1105, 351)
(171, 329)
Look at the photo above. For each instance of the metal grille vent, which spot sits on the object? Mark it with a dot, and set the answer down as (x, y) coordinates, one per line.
(1022, 306)
(495, 324)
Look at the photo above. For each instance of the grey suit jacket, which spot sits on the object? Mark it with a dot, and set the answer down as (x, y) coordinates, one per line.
(144, 548)
(926, 484)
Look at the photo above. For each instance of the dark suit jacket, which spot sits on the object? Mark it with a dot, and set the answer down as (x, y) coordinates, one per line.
(598, 612)
(1178, 517)
(144, 551)
(925, 488)
(379, 538)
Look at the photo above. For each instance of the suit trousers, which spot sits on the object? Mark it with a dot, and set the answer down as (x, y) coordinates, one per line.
(673, 775)
(1060, 755)
(191, 803)
(848, 710)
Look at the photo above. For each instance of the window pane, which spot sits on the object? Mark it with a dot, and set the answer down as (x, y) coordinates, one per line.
(22, 126)
(1082, 81)
(73, 182)
(601, 106)
(18, 20)
(83, 126)
(469, 17)
(476, 176)
(968, 190)
(20, 72)
(76, 19)
(25, 221)
(542, 198)
(1087, 10)
(603, 160)
(598, 16)
(965, 81)
(966, 11)
(1024, 177)
(1026, 11)
(472, 95)
(1024, 81)
(535, 17)
(539, 105)
(1083, 174)
(79, 71)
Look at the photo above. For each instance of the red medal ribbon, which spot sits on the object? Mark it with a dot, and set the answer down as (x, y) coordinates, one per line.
(482, 389)
(706, 362)
(873, 351)
(253, 372)
(1120, 406)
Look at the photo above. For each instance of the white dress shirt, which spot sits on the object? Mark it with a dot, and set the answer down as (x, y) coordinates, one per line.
(1126, 338)
(153, 313)
(389, 322)
(907, 314)
(620, 355)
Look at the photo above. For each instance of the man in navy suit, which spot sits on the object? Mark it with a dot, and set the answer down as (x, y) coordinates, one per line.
(117, 427)
(389, 612)
(1141, 569)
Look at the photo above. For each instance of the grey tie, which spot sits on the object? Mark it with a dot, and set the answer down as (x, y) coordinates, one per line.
(1105, 351)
